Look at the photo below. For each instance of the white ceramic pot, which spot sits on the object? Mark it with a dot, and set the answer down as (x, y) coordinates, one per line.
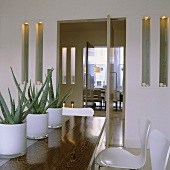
(54, 117)
(37, 126)
(12, 140)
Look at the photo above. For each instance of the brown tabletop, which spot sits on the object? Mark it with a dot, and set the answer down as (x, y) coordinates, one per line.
(70, 147)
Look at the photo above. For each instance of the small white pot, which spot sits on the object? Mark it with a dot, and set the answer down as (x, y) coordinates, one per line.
(54, 117)
(12, 140)
(37, 126)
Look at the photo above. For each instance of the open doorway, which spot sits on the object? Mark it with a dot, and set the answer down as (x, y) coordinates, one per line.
(75, 34)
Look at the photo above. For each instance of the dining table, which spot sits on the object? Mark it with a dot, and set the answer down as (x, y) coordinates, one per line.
(73, 146)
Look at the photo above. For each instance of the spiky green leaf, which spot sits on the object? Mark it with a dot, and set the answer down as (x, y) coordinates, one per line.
(58, 88)
(43, 100)
(5, 110)
(18, 112)
(16, 82)
(12, 102)
(51, 91)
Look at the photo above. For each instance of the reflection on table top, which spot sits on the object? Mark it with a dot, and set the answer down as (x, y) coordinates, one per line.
(70, 147)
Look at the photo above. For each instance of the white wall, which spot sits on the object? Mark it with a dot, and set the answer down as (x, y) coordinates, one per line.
(152, 102)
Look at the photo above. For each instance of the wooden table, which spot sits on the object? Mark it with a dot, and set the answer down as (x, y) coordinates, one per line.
(71, 147)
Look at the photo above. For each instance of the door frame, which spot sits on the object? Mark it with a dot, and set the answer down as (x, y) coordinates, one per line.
(108, 98)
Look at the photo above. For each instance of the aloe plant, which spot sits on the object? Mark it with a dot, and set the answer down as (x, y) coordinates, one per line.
(18, 114)
(56, 100)
(39, 106)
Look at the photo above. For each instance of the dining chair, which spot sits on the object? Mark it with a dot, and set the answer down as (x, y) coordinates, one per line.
(98, 97)
(121, 158)
(77, 111)
(159, 150)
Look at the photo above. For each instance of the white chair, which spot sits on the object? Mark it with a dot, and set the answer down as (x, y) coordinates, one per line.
(159, 150)
(121, 158)
(77, 111)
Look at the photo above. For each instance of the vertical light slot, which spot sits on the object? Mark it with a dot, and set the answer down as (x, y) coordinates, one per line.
(163, 65)
(64, 64)
(25, 51)
(39, 52)
(146, 24)
(73, 58)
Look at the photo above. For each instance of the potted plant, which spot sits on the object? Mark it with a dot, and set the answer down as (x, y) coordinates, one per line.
(13, 127)
(55, 110)
(37, 118)
(12, 123)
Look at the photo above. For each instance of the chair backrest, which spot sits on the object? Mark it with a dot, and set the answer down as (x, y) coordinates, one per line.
(159, 150)
(90, 92)
(97, 94)
(144, 129)
(77, 111)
